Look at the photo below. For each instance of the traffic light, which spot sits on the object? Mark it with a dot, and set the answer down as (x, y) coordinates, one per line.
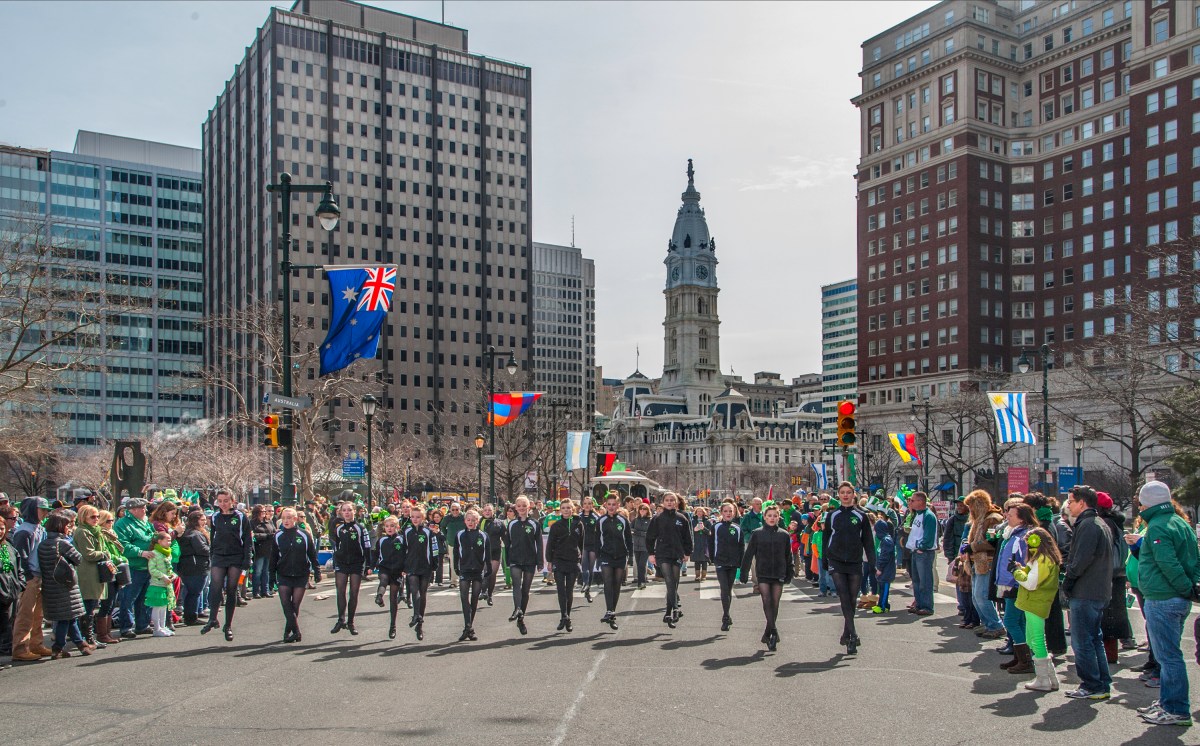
(271, 431)
(845, 423)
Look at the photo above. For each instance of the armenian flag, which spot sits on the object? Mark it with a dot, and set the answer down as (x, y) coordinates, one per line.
(506, 407)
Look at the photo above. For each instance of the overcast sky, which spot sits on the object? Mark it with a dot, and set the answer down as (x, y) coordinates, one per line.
(624, 93)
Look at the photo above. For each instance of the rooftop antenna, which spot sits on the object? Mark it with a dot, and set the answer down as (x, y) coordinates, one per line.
(638, 360)
(443, 12)
(572, 231)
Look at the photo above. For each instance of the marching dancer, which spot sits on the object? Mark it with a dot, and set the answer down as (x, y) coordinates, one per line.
(389, 563)
(669, 540)
(293, 555)
(470, 561)
(523, 545)
(563, 548)
(771, 547)
(848, 540)
(420, 551)
(351, 545)
(614, 543)
(230, 556)
(727, 550)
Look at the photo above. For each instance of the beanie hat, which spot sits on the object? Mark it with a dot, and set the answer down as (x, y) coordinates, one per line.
(1103, 501)
(1154, 493)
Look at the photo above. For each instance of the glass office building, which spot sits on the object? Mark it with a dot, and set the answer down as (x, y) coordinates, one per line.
(132, 210)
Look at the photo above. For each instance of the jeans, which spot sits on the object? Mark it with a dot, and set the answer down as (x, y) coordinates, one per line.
(1091, 664)
(1014, 621)
(193, 594)
(62, 629)
(921, 568)
(133, 613)
(1164, 623)
(869, 580)
(262, 576)
(987, 610)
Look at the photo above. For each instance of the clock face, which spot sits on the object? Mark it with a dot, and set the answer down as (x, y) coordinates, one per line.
(675, 274)
(702, 272)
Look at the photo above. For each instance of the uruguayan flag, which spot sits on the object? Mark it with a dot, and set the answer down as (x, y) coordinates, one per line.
(822, 481)
(577, 449)
(1012, 422)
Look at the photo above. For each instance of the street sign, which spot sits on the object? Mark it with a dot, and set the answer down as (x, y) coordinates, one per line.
(287, 402)
(354, 468)
(489, 457)
(1068, 477)
(1047, 461)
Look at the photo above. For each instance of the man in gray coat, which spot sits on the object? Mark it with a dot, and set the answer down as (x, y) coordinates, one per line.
(1088, 585)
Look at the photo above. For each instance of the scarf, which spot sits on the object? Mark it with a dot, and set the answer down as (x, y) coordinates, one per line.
(6, 565)
(164, 551)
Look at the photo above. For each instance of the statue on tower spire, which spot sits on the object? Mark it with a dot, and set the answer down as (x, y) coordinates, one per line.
(691, 175)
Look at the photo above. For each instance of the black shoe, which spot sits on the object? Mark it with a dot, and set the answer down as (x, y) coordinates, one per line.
(489, 600)
(408, 603)
(203, 630)
(337, 627)
(852, 647)
(128, 634)
(670, 620)
(379, 600)
(562, 624)
(845, 639)
(420, 631)
(568, 624)
(144, 631)
(229, 634)
(412, 621)
(242, 602)
(289, 636)
(473, 637)
(766, 637)
(771, 642)
(587, 594)
(296, 638)
(466, 634)
(612, 620)
(350, 626)
(521, 625)
(725, 622)
(392, 632)
(641, 586)
(676, 613)
(513, 616)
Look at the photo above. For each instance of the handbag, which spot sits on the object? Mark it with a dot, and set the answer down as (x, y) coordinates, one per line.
(122, 576)
(64, 572)
(107, 571)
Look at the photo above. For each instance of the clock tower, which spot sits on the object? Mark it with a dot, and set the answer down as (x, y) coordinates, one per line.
(691, 359)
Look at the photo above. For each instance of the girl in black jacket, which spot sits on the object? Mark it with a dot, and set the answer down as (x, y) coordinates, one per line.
(727, 549)
(422, 548)
(494, 528)
(669, 539)
(470, 562)
(351, 545)
(564, 546)
(193, 564)
(293, 554)
(523, 546)
(230, 556)
(613, 545)
(771, 546)
(848, 541)
(390, 565)
(262, 529)
(591, 541)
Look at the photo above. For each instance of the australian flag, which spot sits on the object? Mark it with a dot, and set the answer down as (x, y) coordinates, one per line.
(360, 299)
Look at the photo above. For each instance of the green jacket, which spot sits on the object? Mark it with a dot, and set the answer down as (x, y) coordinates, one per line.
(451, 526)
(1131, 563)
(136, 536)
(751, 521)
(1037, 587)
(1168, 562)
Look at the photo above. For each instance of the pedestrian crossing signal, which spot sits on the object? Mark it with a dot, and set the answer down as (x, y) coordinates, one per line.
(846, 424)
(271, 431)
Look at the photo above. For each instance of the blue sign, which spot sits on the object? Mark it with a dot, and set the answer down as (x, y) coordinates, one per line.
(1068, 477)
(354, 468)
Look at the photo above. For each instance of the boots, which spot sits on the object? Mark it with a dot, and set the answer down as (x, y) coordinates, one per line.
(104, 630)
(1024, 660)
(1047, 679)
(1110, 649)
(87, 627)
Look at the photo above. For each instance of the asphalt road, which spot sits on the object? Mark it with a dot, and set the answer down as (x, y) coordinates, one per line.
(913, 681)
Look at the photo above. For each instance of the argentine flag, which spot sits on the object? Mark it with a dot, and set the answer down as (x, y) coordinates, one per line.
(1012, 422)
(577, 449)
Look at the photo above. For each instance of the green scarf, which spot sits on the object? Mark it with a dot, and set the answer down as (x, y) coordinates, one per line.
(6, 564)
(164, 551)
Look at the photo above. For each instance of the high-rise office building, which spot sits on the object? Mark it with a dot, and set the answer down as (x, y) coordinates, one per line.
(428, 150)
(564, 331)
(839, 352)
(129, 210)
(1020, 163)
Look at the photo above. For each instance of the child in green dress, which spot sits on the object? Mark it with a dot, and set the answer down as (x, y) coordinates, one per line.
(160, 596)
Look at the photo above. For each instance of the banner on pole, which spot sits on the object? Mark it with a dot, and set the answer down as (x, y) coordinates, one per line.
(578, 442)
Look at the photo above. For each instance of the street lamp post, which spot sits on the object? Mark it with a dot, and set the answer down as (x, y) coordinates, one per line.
(328, 214)
(479, 441)
(1078, 440)
(925, 436)
(407, 479)
(489, 357)
(369, 403)
(866, 458)
(1046, 355)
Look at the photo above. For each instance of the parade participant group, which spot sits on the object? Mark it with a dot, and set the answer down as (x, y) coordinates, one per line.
(1028, 571)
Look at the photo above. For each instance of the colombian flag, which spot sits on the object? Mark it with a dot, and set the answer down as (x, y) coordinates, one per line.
(504, 408)
(905, 445)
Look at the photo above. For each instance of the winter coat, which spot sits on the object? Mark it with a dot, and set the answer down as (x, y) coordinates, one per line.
(26, 537)
(1089, 569)
(451, 525)
(230, 540)
(1038, 586)
(670, 536)
(1014, 549)
(954, 528)
(752, 521)
(159, 567)
(194, 553)
(59, 603)
(263, 534)
(294, 553)
(564, 542)
(727, 546)
(136, 536)
(771, 547)
(885, 555)
(701, 531)
(980, 549)
(1116, 528)
(639, 526)
(1168, 566)
(91, 548)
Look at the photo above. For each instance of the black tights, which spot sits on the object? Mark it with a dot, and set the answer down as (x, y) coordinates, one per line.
(290, 598)
(418, 587)
(770, 591)
(522, 583)
(847, 584)
(491, 578)
(226, 577)
(614, 576)
(725, 577)
(468, 596)
(347, 603)
(589, 567)
(670, 573)
(564, 582)
(393, 589)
